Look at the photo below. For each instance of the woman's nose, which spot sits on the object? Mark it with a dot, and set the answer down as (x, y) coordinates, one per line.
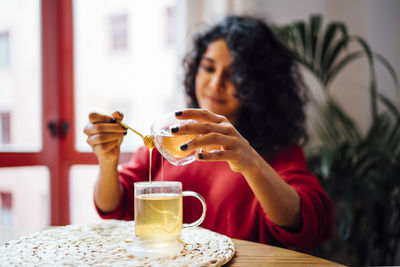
(217, 81)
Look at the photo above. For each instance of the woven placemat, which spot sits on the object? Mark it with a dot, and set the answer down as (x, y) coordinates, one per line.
(103, 244)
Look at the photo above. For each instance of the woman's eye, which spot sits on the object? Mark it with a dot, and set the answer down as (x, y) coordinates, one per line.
(208, 68)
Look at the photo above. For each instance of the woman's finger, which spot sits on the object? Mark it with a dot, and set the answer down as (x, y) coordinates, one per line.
(97, 128)
(210, 140)
(99, 118)
(201, 115)
(205, 128)
(103, 138)
(118, 115)
(219, 155)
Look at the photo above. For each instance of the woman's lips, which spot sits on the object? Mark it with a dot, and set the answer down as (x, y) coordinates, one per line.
(216, 100)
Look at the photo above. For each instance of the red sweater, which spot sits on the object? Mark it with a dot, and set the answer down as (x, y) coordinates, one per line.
(232, 208)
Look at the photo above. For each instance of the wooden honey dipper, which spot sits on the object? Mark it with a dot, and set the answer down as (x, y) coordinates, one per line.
(147, 139)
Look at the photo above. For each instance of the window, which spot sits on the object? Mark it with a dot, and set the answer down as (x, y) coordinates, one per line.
(4, 50)
(24, 177)
(24, 197)
(119, 32)
(20, 76)
(140, 81)
(63, 85)
(170, 25)
(5, 128)
(6, 216)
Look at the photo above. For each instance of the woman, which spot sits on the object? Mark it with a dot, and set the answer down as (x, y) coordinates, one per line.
(251, 100)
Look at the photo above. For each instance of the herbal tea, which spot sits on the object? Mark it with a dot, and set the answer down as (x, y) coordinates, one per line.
(158, 216)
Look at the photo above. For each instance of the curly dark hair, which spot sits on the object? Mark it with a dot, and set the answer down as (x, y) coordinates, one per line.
(266, 78)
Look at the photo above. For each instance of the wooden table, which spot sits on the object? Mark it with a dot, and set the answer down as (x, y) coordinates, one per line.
(247, 253)
(256, 254)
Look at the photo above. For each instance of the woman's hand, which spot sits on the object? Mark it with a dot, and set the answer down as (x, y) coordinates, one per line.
(279, 200)
(105, 135)
(218, 138)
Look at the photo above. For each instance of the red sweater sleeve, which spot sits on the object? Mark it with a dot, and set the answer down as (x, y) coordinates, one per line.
(133, 171)
(316, 207)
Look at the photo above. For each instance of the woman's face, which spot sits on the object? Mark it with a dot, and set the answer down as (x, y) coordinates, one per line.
(214, 89)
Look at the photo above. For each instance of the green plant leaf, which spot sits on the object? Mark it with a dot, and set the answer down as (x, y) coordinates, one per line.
(332, 73)
(327, 156)
(334, 70)
(331, 56)
(389, 67)
(315, 26)
(373, 90)
(389, 105)
(360, 172)
(336, 125)
(298, 35)
(332, 30)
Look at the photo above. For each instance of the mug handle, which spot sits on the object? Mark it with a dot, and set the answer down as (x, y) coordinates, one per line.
(203, 203)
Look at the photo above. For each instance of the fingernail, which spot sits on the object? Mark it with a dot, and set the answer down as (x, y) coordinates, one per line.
(201, 156)
(175, 129)
(113, 120)
(178, 113)
(184, 147)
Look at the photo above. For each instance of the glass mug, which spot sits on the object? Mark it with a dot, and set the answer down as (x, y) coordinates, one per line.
(158, 218)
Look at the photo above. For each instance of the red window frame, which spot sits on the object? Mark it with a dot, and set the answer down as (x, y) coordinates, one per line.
(58, 152)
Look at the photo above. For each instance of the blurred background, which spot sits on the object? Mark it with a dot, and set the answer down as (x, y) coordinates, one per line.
(62, 59)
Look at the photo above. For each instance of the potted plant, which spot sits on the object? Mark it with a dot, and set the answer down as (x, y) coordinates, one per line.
(360, 171)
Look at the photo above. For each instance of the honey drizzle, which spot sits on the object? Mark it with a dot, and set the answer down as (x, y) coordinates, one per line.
(150, 153)
(162, 168)
(147, 140)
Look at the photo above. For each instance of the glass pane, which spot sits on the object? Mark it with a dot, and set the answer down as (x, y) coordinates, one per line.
(20, 76)
(24, 198)
(82, 181)
(125, 59)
